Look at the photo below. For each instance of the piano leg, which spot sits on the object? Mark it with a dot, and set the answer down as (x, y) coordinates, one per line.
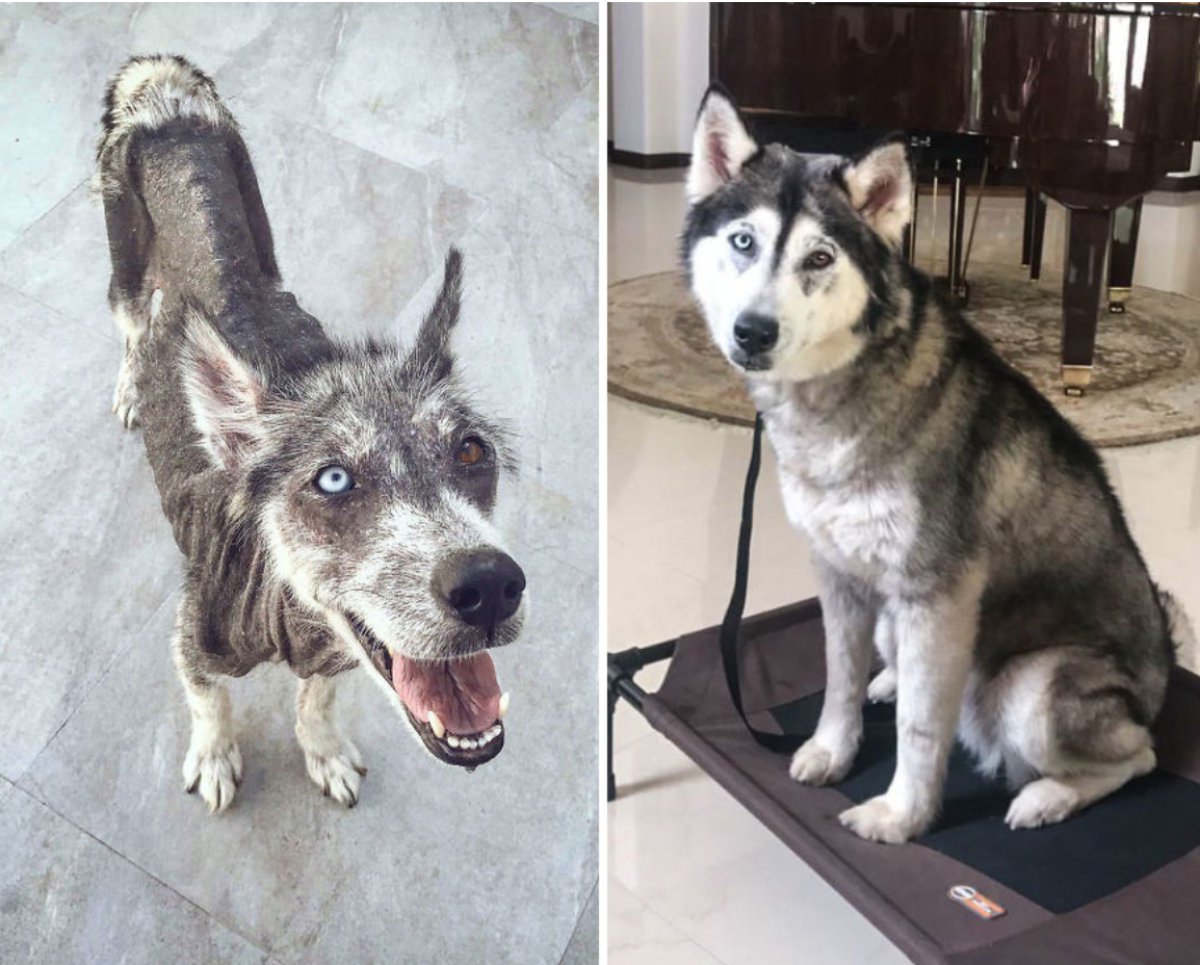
(1037, 234)
(1027, 228)
(1087, 243)
(1126, 221)
(958, 212)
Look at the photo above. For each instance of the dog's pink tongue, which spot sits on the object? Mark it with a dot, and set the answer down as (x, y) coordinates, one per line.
(463, 693)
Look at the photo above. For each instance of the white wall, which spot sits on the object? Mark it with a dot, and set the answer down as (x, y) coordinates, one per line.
(659, 72)
(1168, 252)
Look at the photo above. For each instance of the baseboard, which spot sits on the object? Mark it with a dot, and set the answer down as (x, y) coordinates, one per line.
(646, 162)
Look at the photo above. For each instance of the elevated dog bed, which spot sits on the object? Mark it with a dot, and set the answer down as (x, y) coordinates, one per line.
(1117, 883)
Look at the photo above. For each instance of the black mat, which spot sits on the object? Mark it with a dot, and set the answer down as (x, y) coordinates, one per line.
(1146, 825)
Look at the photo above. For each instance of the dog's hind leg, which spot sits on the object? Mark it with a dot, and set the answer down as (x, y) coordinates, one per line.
(333, 761)
(130, 294)
(882, 689)
(213, 764)
(1070, 716)
(1049, 800)
(256, 214)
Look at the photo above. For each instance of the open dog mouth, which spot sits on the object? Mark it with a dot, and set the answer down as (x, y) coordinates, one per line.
(455, 706)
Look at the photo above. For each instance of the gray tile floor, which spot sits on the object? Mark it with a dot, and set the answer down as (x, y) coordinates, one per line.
(381, 134)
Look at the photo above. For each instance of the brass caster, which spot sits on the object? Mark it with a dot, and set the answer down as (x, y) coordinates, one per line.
(1076, 379)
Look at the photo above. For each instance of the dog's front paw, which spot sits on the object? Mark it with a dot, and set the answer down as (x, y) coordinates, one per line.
(882, 690)
(1044, 801)
(216, 770)
(338, 775)
(815, 765)
(877, 820)
(125, 400)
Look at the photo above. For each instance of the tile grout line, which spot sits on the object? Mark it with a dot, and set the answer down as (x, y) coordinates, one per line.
(650, 906)
(149, 874)
(645, 907)
(569, 16)
(44, 215)
(154, 611)
(486, 208)
(486, 205)
(489, 203)
(579, 922)
(78, 324)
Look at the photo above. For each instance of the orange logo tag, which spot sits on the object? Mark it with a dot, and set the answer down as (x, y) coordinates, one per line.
(983, 906)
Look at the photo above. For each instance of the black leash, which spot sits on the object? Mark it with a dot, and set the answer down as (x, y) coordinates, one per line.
(731, 626)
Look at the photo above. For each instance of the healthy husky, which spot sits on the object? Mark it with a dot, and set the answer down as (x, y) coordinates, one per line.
(332, 500)
(955, 518)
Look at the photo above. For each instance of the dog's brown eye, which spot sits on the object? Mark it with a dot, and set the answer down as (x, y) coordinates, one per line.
(471, 451)
(818, 259)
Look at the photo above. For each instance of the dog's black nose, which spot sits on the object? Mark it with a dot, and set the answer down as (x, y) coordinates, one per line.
(755, 333)
(483, 588)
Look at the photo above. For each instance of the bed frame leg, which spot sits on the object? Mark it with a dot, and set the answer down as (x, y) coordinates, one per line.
(621, 685)
(612, 710)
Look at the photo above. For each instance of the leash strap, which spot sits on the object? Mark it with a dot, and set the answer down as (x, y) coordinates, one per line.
(731, 626)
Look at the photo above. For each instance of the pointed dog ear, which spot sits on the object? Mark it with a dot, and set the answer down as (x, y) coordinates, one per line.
(430, 358)
(720, 145)
(880, 187)
(225, 394)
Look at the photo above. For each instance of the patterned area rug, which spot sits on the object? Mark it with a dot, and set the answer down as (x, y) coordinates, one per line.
(1145, 387)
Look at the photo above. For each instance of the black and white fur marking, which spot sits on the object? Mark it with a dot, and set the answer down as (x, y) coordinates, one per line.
(955, 517)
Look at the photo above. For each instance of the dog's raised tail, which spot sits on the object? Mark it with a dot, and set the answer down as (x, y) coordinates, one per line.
(148, 92)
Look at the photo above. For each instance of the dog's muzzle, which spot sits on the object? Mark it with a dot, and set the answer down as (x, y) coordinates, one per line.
(482, 588)
(754, 335)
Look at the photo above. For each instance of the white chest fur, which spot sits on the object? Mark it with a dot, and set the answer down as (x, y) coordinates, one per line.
(861, 523)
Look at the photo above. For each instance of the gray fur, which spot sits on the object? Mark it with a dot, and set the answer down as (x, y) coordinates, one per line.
(243, 400)
(943, 499)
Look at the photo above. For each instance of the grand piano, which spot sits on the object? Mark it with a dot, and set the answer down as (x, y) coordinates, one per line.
(1092, 104)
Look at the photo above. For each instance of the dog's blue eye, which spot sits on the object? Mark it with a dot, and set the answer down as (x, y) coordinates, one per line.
(334, 480)
(742, 241)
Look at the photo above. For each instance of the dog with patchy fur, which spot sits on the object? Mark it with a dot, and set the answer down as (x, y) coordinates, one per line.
(955, 518)
(333, 500)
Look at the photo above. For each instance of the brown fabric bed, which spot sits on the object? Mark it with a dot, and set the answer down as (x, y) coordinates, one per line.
(1119, 883)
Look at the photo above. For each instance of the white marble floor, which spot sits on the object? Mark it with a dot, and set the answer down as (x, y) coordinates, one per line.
(693, 878)
(381, 135)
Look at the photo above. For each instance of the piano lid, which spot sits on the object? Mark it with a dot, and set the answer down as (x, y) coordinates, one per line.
(1098, 74)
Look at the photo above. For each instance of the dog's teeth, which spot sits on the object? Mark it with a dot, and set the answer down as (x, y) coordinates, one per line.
(494, 731)
(484, 738)
(436, 725)
(452, 741)
(469, 744)
(503, 705)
